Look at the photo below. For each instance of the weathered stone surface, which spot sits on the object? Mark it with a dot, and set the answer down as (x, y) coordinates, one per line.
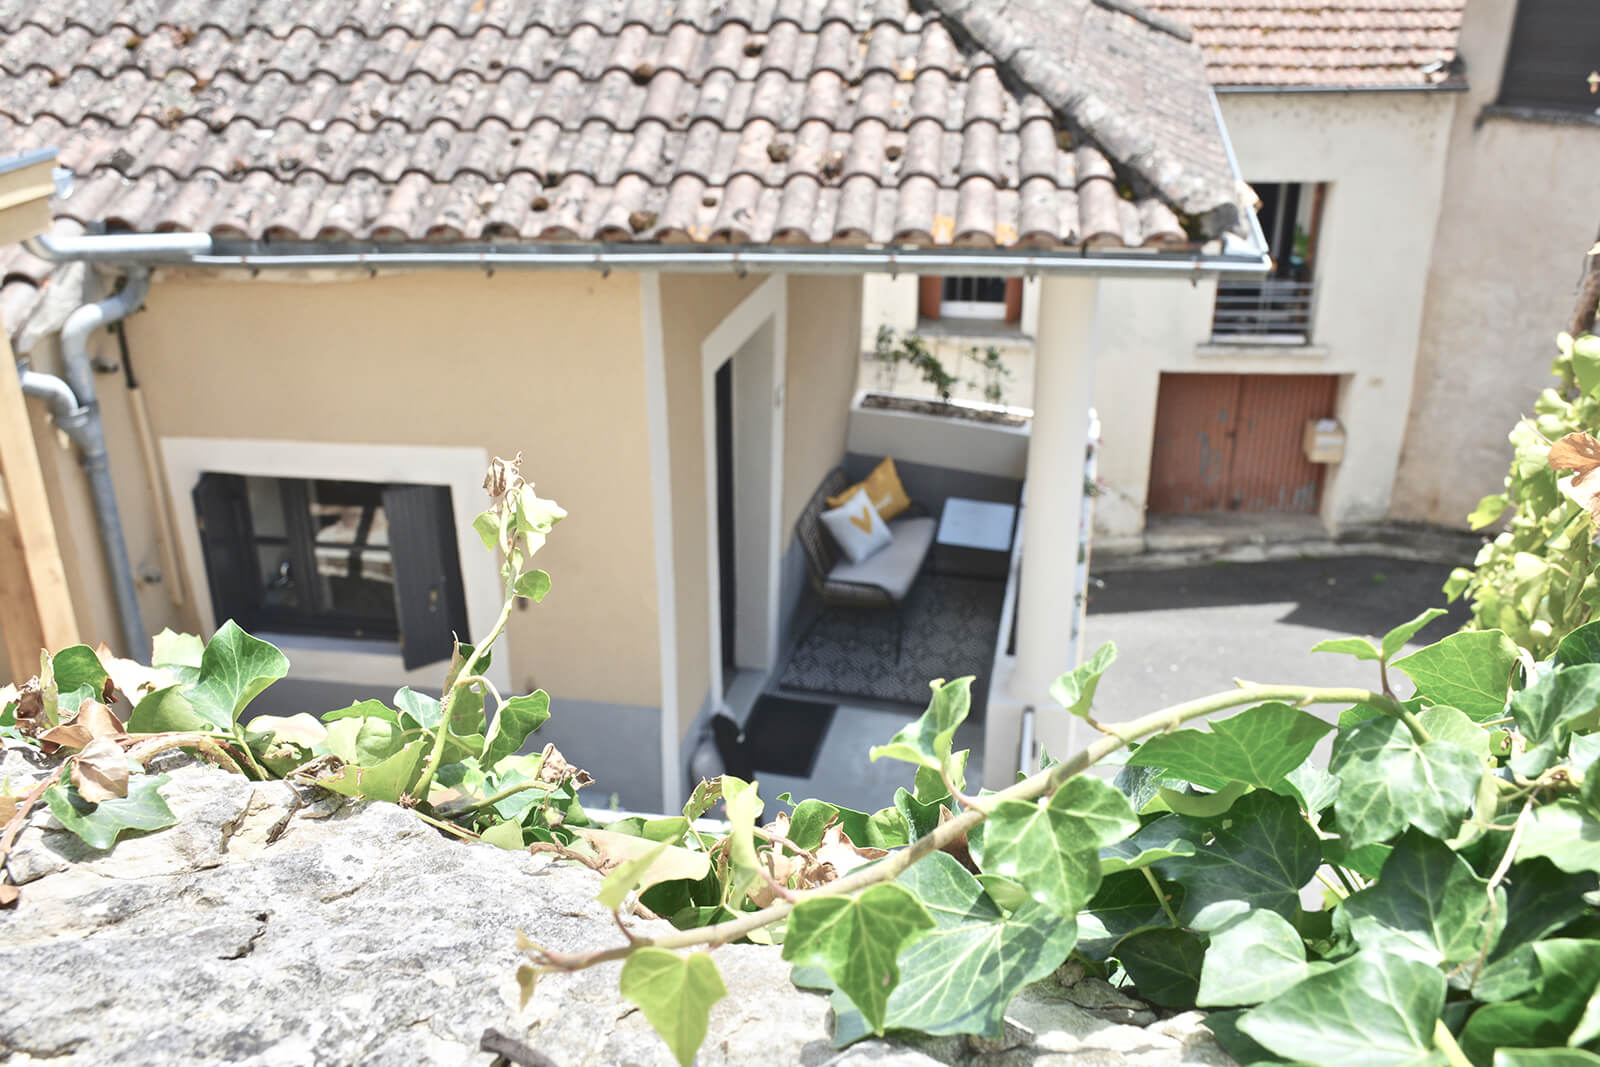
(270, 927)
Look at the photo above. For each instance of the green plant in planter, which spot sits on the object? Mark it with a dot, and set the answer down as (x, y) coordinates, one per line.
(992, 374)
(1537, 580)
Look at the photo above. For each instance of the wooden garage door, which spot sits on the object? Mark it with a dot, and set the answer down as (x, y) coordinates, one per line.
(1232, 442)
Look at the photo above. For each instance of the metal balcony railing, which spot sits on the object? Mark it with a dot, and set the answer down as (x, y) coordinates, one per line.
(1269, 310)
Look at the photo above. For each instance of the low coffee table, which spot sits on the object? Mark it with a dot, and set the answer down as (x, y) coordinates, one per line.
(974, 538)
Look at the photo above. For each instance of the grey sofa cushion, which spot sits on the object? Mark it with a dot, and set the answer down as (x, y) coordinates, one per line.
(896, 567)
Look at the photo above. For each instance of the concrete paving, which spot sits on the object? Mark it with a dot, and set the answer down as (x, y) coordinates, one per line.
(1187, 631)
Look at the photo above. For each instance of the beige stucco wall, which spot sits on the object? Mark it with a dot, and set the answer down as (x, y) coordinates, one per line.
(1382, 155)
(691, 307)
(1520, 208)
(551, 364)
(823, 316)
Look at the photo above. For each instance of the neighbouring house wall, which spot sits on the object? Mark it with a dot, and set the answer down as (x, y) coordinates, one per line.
(548, 364)
(1382, 155)
(887, 301)
(1520, 209)
(691, 307)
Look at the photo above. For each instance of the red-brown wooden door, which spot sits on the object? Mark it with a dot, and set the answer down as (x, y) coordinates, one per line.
(1233, 442)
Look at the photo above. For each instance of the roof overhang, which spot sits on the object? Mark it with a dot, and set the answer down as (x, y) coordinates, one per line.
(205, 252)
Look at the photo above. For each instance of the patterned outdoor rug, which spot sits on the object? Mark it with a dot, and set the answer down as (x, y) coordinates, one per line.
(950, 629)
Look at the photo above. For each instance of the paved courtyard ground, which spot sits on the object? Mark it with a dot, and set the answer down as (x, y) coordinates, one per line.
(1185, 632)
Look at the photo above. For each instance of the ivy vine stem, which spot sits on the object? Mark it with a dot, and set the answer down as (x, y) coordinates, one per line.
(1043, 783)
(467, 674)
(1166, 905)
(1446, 1042)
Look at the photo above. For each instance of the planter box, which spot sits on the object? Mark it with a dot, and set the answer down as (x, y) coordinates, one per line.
(939, 441)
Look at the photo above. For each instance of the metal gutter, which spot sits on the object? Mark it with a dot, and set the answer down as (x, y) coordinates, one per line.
(198, 250)
(26, 159)
(76, 412)
(1249, 90)
(1258, 236)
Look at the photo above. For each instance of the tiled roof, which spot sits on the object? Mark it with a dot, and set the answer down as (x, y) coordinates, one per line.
(738, 121)
(1357, 44)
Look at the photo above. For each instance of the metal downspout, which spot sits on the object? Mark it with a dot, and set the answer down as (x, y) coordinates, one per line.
(75, 409)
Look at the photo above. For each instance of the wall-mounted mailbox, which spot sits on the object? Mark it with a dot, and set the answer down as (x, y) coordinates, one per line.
(1324, 441)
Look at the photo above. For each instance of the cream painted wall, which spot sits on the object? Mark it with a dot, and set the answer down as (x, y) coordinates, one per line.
(1520, 209)
(691, 307)
(1383, 156)
(823, 313)
(547, 363)
(887, 301)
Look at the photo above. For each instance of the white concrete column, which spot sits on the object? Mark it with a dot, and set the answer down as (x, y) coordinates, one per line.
(1063, 392)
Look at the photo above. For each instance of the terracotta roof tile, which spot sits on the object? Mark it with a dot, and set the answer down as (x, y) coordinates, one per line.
(795, 121)
(1321, 43)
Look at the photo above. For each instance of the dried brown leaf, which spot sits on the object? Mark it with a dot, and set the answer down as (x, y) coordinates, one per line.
(100, 771)
(1579, 452)
(838, 851)
(131, 678)
(93, 721)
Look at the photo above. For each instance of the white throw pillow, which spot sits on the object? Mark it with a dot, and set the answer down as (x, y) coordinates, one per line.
(857, 527)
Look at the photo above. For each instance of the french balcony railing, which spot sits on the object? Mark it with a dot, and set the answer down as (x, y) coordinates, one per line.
(1269, 311)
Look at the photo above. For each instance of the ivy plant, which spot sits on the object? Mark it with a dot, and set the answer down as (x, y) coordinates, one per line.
(1536, 580)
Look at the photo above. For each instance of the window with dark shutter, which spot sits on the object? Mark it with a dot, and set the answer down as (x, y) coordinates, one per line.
(1553, 62)
(338, 559)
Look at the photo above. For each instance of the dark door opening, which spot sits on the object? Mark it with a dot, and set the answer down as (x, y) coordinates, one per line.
(728, 598)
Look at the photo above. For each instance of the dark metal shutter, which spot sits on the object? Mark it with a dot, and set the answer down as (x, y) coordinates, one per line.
(223, 509)
(1555, 45)
(427, 573)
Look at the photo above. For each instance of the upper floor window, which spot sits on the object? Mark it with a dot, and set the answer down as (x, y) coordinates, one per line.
(1553, 62)
(970, 297)
(334, 558)
(1277, 308)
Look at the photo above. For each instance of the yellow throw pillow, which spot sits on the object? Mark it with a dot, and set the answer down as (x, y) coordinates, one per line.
(883, 488)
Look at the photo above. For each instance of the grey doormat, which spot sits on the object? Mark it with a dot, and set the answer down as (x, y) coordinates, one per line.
(950, 629)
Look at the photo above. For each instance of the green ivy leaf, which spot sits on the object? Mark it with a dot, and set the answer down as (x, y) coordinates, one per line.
(1547, 710)
(1164, 964)
(744, 806)
(1258, 747)
(1053, 848)
(1203, 805)
(626, 876)
(1470, 671)
(1453, 725)
(1262, 857)
(364, 742)
(1388, 782)
(1545, 1057)
(1396, 639)
(386, 780)
(1568, 971)
(961, 976)
(1488, 510)
(1312, 786)
(167, 710)
(234, 669)
(516, 719)
(857, 941)
(1580, 646)
(1540, 899)
(99, 825)
(926, 742)
(929, 786)
(1565, 833)
(1161, 839)
(506, 835)
(1372, 1010)
(487, 526)
(365, 709)
(1251, 960)
(1359, 647)
(708, 792)
(180, 652)
(1427, 905)
(676, 994)
(78, 666)
(1074, 690)
(1124, 905)
(533, 585)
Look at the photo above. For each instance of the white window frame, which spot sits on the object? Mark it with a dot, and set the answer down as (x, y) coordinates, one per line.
(341, 659)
